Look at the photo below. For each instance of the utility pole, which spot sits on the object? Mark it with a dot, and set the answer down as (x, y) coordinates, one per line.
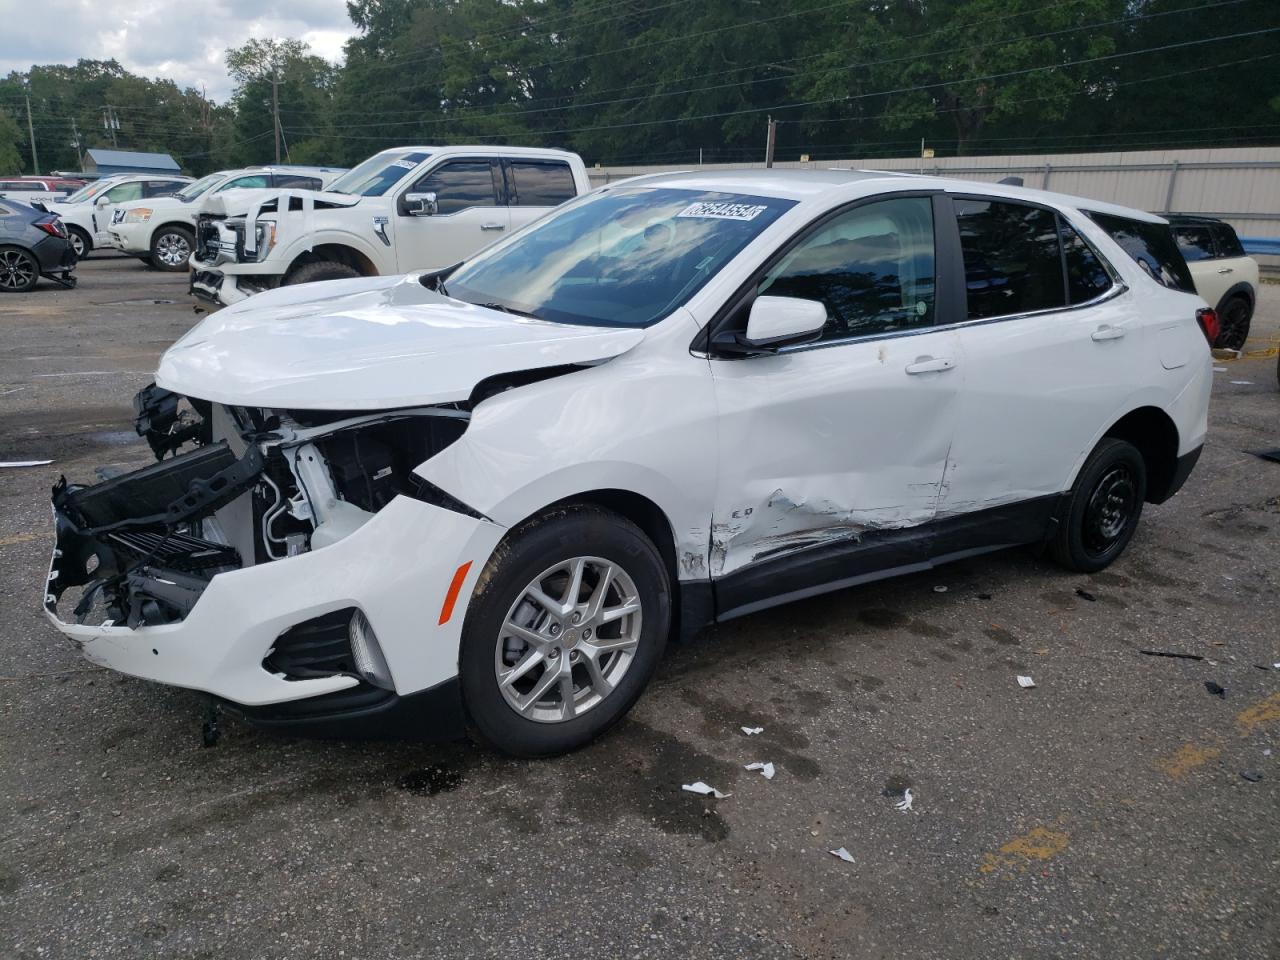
(275, 109)
(770, 142)
(111, 122)
(31, 131)
(75, 133)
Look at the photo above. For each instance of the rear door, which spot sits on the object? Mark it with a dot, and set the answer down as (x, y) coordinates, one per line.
(1050, 353)
(1200, 249)
(535, 187)
(471, 212)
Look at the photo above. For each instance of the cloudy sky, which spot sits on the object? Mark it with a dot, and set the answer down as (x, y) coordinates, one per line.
(180, 39)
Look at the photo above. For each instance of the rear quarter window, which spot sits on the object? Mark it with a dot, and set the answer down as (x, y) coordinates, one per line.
(541, 183)
(1151, 246)
(1228, 243)
(1196, 243)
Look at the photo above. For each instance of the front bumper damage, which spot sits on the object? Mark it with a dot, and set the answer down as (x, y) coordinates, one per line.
(237, 566)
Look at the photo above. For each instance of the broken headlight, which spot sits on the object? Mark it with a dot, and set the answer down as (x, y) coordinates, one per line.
(264, 237)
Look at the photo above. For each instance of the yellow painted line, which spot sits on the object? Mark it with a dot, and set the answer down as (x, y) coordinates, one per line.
(17, 538)
(1190, 756)
(1260, 714)
(1038, 843)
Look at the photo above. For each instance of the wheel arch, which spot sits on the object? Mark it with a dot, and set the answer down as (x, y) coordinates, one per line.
(85, 235)
(336, 253)
(180, 224)
(1241, 289)
(1154, 433)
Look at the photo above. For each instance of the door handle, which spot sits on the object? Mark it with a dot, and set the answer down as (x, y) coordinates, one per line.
(1227, 270)
(929, 365)
(493, 226)
(1107, 332)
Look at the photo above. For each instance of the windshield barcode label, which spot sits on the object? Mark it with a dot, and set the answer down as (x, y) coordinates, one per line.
(723, 211)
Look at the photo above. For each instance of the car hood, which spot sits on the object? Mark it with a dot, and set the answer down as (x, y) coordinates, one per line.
(157, 204)
(238, 202)
(368, 344)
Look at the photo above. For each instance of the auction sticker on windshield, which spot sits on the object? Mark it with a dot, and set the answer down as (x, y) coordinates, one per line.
(723, 211)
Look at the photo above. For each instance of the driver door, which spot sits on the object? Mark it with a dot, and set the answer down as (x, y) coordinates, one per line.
(104, 207)
(832, 452)
(471, 212)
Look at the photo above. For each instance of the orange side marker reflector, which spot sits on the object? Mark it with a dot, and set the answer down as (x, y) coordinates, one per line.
(451, 597)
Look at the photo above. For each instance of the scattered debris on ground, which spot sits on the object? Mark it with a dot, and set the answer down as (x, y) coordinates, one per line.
(1251, 775)
(1215, 689)
(705, 790)
(766, 769)
(1175, 656)
(1084, 594)
(905, 803)
(1025, 682)
(25, 463)
(842, 854)
(752, 731)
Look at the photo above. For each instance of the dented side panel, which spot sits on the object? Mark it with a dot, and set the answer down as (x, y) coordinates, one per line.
(825, 444)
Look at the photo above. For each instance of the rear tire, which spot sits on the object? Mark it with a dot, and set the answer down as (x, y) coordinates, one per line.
(19, 270)
(171, 248)
(1105, 506)
(81, 242)
(591, 656)
(322, 270)
(1237, 314)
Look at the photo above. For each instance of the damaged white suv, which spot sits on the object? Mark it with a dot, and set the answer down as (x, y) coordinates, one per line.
(484, 498)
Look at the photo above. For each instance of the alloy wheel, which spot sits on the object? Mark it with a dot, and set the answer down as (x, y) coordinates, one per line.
(77, 244)
(568, 640)
(17, 270)
(172, 249)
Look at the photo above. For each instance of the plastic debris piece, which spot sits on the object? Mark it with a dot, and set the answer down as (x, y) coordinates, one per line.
(842, 854)
(905, 803)
(704, 789)
(1084, 594)
(766, 769)
(1025, 682)
(25, 463)
(1219, 369)
(1242, 383)
(1215, 689)
(939, 589)
(1175, 656)
(1253, 776)
(751, 731)
(984, 596)
(1266, 752)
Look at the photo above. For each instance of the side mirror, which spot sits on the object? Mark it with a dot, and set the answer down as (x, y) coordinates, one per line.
(421, 204)
(775, 322)
(101, 201)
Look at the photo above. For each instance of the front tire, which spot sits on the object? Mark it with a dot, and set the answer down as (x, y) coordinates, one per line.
(80, 242)
(1105, 506)
(321, 270)
(19, 271)
(565, 630)
(171, 248)
(1237, 315)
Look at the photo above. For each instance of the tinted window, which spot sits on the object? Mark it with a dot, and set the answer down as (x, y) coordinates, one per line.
(125, 191)
(252, 182)
(161, 188)
(297, 181)
(1151, 246)
(1228, 242)
(1087, 278)
(1196, 243)
(458, 185)
(872, 267)
(1012, 260)
(541, 184)
(623, 258)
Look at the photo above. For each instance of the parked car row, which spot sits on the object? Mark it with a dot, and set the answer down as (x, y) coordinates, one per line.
(29, 189)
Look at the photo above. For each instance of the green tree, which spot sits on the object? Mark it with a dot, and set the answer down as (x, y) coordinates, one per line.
(10, 138)
(305, 92)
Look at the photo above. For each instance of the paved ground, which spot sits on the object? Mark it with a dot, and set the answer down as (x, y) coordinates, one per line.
(1101, 814)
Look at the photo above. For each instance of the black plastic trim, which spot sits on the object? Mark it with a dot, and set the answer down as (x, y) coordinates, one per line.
(1182, 468)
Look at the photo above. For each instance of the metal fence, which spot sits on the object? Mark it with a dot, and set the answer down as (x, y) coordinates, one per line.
(1239, 185)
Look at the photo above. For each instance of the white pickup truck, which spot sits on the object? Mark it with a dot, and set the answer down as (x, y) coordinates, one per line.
(407, 208)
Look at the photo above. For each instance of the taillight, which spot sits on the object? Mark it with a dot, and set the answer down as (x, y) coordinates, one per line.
(52, 226)
(1207, 317)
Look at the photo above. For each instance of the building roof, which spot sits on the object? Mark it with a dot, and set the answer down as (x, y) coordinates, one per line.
(130, 158)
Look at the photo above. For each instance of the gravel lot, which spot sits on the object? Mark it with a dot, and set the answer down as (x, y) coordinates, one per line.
(1101, 814)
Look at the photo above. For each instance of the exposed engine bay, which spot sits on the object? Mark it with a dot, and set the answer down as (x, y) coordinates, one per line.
(232, 487)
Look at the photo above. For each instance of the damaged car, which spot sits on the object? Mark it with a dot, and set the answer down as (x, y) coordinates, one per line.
(482, 498)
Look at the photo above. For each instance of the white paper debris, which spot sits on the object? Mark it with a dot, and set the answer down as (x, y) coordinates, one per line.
(705, 790)
(1219, 369)
(905, 803)
(752, 731)
(1026, 682)
(842, 854)
(766, 769)
(25, 463)
(1266, 752)
(1242, 383)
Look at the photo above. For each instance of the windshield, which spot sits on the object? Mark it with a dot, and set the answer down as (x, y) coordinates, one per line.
(89, 190)
(625, 258)
(193, 190)
(378, 174)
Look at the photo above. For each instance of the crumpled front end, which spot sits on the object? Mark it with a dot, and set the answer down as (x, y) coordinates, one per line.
(272, 556)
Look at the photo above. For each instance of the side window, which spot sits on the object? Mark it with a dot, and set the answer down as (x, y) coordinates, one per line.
(159, 188)
(1012, 259)
(1196, 243)
(1087, 278)
(541, 184)
(1151, 246)
(459, 184)
(21, 186)
(297, 181)
(125, 191)
(1228, 243)
(253, 181)
(872, 267)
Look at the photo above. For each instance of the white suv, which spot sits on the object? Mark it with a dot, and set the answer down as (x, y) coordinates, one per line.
(87, 212)
(680, 399)
(408, 208)
(162, 232)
